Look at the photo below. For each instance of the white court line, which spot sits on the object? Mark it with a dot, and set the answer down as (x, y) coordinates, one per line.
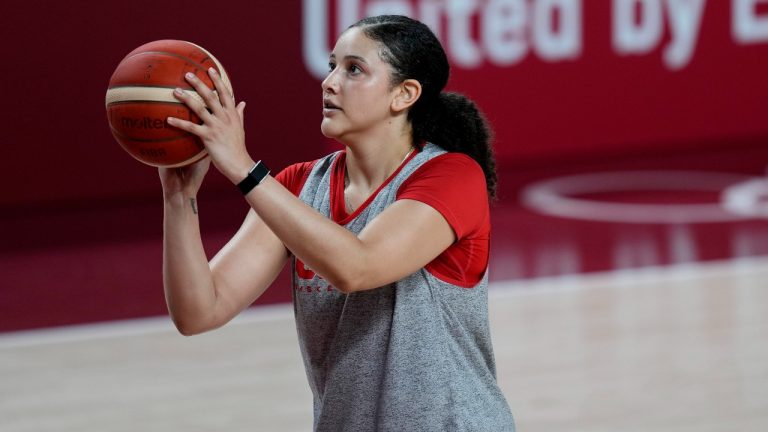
(616, 279)
(627, 278)
(560, 196)
(129, 327)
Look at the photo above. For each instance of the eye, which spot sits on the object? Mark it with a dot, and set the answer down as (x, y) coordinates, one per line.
(331, 66)
(355, 69)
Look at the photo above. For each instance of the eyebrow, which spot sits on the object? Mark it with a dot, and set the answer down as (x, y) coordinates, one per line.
(350, 57)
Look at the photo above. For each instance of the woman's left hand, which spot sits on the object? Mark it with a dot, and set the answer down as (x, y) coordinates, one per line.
(222, 130)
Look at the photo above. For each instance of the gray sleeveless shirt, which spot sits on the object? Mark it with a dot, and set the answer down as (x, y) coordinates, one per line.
(414, 355)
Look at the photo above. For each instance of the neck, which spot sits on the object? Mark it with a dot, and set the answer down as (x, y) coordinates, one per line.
(370, 164)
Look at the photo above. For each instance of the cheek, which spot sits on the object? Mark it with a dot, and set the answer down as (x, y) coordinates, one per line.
(369, 97)
(369, 106)
(364, 115)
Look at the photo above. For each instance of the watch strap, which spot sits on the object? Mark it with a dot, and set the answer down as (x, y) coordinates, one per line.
(254, 177)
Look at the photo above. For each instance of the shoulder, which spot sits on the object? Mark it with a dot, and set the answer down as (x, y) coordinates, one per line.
(452, 171)
(453, 184)
(294, 176)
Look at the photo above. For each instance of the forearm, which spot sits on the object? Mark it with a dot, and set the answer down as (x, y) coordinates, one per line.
(187, 278)
(328, 248)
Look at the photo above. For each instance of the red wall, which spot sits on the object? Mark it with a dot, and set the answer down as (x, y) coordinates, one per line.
(564, 82)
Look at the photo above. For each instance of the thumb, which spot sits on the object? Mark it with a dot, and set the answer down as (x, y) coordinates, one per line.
(241, 111)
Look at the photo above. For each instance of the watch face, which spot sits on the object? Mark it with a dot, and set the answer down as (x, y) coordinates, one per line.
(254, 177)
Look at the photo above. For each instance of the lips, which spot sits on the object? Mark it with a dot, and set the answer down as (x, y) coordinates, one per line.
(327, 104)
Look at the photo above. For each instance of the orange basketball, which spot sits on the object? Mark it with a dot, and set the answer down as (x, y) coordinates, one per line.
(140, 99)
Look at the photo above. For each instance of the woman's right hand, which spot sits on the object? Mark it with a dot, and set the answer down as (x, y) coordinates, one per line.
(184, 181)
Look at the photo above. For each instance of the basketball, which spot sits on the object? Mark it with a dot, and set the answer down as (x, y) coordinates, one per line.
(140, 98)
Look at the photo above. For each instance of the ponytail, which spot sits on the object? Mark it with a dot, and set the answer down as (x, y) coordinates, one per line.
(454, 122)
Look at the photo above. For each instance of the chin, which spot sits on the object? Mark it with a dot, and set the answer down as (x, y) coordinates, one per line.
(343, 133)
(326, 133)
(329, 131)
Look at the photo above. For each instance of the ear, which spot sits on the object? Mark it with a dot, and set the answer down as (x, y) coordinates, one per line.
(405, 95)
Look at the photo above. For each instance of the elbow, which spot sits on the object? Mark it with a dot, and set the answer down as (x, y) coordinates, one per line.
(189, 327)
(345, 287)
(353, 276)
(188, 331)
(350, 283)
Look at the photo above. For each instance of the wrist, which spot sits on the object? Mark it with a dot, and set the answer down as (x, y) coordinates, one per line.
(237, 174)
(178, 199)
(256, 174)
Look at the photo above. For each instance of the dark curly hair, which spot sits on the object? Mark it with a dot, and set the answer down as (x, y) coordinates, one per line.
(449, 120)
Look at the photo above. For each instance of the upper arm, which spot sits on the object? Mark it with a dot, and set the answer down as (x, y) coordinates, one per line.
(402, 239)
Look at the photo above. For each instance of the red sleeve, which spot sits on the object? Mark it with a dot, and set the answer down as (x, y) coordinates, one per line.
(294, 176)
(454, 185)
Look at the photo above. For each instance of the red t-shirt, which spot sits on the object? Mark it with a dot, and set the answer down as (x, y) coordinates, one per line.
(453, 184)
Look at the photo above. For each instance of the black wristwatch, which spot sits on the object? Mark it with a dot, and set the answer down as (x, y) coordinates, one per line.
(254, 177)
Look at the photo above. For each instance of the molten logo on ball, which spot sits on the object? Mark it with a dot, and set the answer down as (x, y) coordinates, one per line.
(143, 123)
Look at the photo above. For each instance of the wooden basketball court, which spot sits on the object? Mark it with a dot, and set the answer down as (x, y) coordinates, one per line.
(673, 349)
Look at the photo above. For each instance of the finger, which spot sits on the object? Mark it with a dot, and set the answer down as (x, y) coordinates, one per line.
(208, 96)
(241, 112)
(226, 98)
(194, 104)
(185, 125)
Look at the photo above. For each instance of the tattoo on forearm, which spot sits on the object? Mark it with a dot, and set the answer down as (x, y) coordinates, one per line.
(193, 203)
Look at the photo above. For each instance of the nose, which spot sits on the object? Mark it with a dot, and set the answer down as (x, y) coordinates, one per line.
(330, 83)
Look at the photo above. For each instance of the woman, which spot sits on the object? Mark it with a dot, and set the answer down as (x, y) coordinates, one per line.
(389, 239)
